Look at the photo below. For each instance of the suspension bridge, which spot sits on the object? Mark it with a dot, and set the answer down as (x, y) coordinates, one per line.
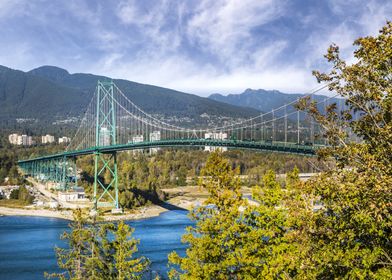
(113, 123)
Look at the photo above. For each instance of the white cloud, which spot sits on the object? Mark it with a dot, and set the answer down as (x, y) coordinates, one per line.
(375, 16)
(151, 22)
(196, 46)
(181, 73)
(224, 27)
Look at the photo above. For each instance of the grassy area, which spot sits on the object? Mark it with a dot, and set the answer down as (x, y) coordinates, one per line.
(13, 203)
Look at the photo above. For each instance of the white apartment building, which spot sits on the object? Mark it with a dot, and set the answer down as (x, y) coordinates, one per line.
(155, 136)
(47, 139)
(20, 140)
(137, 139)
(215, 136)
(104, 137)
(13, 138)
(29, 141)
(64, 140)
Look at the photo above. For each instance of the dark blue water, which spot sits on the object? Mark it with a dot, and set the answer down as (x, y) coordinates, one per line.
(27, 243)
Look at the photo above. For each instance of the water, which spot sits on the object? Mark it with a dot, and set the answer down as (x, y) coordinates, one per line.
(27, 243)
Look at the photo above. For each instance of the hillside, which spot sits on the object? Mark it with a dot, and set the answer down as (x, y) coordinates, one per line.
(49, 92)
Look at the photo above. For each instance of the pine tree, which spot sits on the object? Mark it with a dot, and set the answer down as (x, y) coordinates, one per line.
(123, 248)
(81, 259)
(98, 251)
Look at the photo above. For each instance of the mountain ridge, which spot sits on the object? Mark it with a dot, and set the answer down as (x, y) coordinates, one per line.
(48, 92)
(261, 99)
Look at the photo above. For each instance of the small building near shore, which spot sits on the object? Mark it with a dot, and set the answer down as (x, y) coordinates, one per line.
(77, 194)
(53, 204)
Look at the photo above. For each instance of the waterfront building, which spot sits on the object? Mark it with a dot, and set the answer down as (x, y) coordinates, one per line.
(76, 194)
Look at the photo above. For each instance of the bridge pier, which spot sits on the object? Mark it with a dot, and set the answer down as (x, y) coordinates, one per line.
(105, 163)
(105, 135)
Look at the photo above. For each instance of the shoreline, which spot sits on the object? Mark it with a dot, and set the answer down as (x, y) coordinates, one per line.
(8, 211)
(190, 196)
(145, 212)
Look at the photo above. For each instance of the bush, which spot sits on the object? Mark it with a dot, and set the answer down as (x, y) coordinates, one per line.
(14, 194)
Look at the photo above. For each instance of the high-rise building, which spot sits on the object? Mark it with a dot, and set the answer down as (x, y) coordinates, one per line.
(24, 139)
(215, 136)
(13, 138)
(104, 137)
(137, 139)
(155, 136)
(64, 140)
(47, 139)
(29, 141)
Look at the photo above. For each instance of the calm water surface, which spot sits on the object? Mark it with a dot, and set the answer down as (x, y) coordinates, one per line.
(26, 243)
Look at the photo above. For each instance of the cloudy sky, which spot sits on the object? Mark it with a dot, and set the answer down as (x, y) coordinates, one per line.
(200, 46)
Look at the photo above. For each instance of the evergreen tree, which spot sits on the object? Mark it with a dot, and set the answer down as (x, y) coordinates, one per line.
(81, 259)
(126, 266)
(98, 251)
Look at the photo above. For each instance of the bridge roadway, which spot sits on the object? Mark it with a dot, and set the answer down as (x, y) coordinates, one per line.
(282, 147)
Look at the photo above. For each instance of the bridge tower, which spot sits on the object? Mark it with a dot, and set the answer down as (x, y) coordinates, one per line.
(105, 170)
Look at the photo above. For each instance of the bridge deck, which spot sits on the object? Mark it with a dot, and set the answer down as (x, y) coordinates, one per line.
(282, 147)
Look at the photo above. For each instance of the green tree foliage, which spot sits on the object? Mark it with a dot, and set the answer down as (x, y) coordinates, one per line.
(14, 193)
(234, 239)
(215, 242)
(351, 236)
(142, 176)
(126, 266)
(276, 224)
(24, 195)
(268, 224)
(8, 168)
(80, 260)
(98, 251)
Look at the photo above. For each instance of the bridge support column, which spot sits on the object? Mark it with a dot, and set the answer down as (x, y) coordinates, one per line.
(106, 181)
(75, 172)
(64, 174)
(105, 173)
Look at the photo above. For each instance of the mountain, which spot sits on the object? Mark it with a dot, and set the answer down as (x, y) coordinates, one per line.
(49, 92)
(262, 100)
(29, 96)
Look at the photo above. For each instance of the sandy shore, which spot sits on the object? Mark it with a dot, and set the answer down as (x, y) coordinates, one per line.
(140, 213)
(35, 212)
(187, 197)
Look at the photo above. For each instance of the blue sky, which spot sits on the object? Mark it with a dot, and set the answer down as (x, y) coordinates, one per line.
(201, 47)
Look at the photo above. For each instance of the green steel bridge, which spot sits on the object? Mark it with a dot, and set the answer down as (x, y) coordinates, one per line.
(113, 123)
